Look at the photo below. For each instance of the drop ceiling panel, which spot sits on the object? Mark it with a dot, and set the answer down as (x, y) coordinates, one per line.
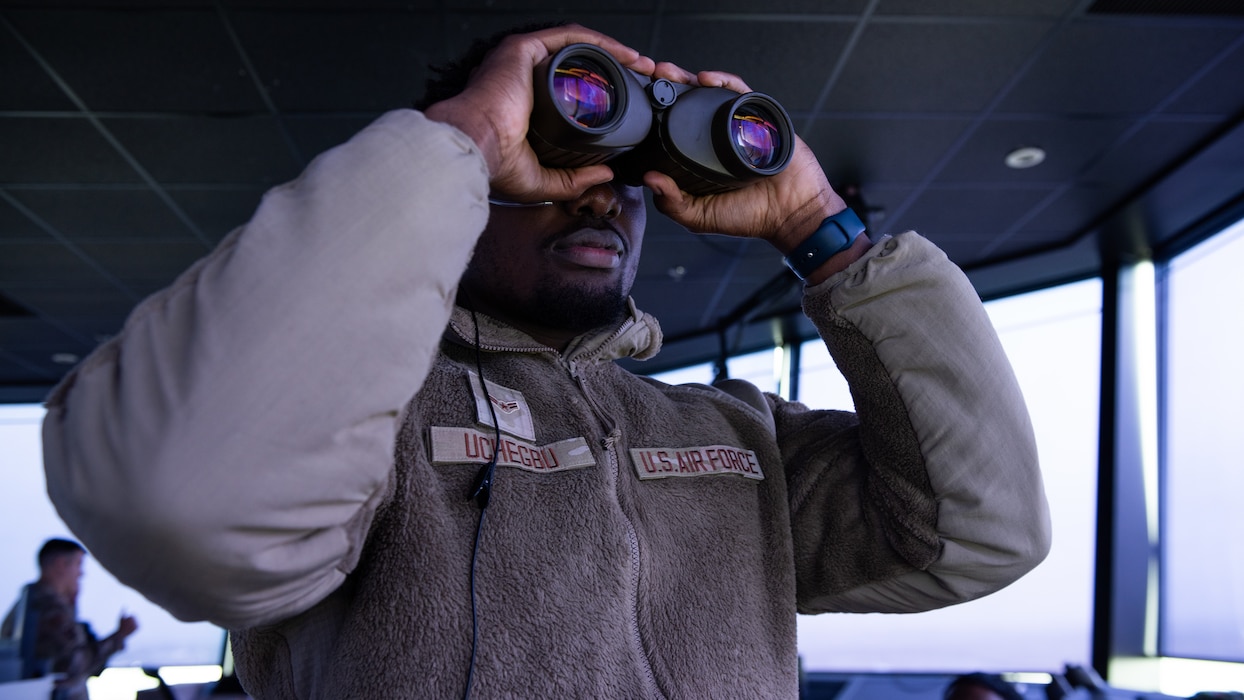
(885, 149)
(789, 60)
(97, 214)
(208, 150)
(27, 85)
(58, 149)
(216, 212)
(16, 226)
(42, 264)
(300, 58)
(1216, 89)
(923, 66)
(1128, 74)
(145, 267)
(197, 68)
(1070, 145)
(965, 222)
(969, 8)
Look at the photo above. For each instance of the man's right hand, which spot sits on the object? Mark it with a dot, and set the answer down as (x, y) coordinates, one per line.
(495, 108)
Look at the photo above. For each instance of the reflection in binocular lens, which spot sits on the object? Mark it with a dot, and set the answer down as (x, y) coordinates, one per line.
(756, 138)
(583, 94)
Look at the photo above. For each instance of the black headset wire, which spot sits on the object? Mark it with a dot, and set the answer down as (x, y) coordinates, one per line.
(480, 493)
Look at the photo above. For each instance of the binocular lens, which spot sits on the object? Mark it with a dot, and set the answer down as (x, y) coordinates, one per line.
(583, 93)
(757, 138)
(588, 109)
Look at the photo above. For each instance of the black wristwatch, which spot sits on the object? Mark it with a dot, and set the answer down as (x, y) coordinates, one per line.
(834, 235)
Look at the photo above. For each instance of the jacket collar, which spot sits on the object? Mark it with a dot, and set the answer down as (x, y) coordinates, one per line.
(638, 336)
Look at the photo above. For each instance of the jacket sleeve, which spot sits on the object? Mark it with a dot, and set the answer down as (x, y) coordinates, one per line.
(225, 453)
(930, 494)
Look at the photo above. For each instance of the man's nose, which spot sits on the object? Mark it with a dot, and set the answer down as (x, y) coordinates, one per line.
(598, 202)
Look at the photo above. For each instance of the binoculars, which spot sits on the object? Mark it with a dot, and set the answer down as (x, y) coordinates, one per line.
(589, 109)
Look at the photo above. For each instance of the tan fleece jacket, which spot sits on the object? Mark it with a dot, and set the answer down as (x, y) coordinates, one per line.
(248, 452)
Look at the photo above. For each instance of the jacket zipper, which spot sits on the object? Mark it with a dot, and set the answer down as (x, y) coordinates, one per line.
(632, 539)
(633, 591)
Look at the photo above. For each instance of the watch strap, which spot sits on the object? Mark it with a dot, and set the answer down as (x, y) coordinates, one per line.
(835, 234)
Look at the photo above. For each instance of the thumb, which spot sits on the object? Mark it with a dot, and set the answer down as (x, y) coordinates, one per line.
(666, 196)
(567, 184)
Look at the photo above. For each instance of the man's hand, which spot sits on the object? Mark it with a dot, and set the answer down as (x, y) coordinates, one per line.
(784, 209)
(495, 107)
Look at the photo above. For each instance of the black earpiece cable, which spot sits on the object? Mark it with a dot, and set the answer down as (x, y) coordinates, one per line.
(480, 493)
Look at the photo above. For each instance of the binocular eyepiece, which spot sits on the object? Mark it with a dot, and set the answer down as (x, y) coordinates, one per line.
(590, 109)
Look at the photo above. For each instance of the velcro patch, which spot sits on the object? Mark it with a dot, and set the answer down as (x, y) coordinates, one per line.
(508, 405)
(458, 445)
(662, 462)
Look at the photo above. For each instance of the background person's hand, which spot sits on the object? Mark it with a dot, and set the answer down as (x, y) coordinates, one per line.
(495, 108)
(126, 626)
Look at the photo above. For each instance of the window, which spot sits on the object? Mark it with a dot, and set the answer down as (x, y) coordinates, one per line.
(1042, 622)
(1202, 562)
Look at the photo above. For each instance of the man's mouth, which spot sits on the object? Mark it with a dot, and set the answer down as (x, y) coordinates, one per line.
(595, 248)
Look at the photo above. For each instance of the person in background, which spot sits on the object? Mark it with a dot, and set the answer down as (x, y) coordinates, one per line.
(62, 644)
(981, 686)
(300, 438)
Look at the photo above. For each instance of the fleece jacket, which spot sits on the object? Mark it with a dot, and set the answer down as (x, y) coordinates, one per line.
(285, 442)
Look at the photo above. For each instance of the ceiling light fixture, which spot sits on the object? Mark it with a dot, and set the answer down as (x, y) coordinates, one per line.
(1025, 157)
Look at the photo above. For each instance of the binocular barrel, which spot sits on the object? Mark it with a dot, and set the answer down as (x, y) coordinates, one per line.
(590, 109)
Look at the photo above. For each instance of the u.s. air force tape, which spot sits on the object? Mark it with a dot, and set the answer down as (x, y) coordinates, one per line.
(663, 462)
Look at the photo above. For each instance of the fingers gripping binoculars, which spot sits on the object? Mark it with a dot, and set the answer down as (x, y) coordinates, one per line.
(589, 109)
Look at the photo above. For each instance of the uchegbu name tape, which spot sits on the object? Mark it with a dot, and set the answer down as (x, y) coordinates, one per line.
(459, 445)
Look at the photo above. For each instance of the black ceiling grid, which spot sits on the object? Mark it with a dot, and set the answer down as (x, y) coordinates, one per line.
(135, 135)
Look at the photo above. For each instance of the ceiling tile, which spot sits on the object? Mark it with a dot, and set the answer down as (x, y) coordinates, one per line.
(788, 60)
(158, 58)
(980, 8)
(217, 211)
(209, 150)
(42, 264)
(966, 221)
(1069, 144)
(942, 67)
(1112, 68)
(1217, 90)
(130, 214)
(462, 29)
(24, 84)
(58, 150)
(314, 134)
(882, 149)
(300, 57)
(147, 266)
(15, 226)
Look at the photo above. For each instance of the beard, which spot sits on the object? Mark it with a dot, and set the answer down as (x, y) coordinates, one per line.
(558, 304)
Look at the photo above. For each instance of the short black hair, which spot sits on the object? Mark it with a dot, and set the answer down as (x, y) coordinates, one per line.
(56, 548)
(450, 78)
(990, 681)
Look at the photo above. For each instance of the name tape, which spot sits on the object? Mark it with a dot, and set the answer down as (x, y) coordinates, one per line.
(664, 462)
(458, 445)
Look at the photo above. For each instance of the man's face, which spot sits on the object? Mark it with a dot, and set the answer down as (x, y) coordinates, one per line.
(565, 267)
(66, 574)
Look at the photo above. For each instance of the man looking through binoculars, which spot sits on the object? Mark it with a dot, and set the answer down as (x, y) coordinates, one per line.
(379, 434)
